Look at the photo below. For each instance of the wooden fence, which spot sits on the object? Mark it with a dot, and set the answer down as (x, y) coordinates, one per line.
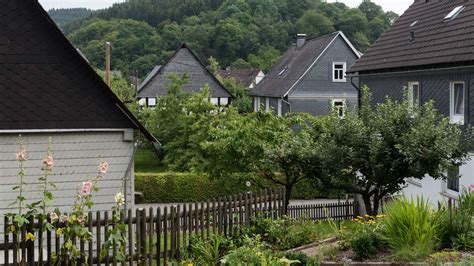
(155, 236)
(317, 212)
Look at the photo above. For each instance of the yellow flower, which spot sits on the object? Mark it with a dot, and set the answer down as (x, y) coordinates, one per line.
(355, 220)
(12, 228)
(190, 264)
(59, 231)
(380, 216)
(360, 217)
(30, 237)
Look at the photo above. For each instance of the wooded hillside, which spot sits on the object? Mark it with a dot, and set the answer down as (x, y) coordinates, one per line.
(238, 33)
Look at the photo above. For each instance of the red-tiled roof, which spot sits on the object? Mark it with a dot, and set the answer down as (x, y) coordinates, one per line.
(244, 77)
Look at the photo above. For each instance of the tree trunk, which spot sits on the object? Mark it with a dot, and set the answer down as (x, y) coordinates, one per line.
(288, 190)
(371, 204)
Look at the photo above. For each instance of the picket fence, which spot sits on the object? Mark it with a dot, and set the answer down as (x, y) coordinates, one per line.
(157, 236)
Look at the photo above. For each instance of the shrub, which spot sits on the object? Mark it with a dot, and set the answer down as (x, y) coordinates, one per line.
(301, 257)
(283, 234)
(410, 229)
(182, 187)
(364, 245)
(456, 226)
(208, 252)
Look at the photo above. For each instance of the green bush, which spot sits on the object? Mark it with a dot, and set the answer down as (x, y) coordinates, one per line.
(283, 234)
(207, 252)
(410, 229)
(182, 187)
(301, 257)
(364, 245)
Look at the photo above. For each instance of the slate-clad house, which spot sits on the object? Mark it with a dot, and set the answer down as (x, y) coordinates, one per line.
(310, 77)
(48, 90)
(248, 78)
(183, 61)
(429, 51)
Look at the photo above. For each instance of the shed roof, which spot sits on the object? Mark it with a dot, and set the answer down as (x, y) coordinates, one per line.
(45, 83)
(434, 41)
(183, 61)
(294, 64)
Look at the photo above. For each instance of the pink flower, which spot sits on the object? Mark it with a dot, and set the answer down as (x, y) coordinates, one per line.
(64, 218)
(86, 188)
(54, 217)
(48, 163)
(103, 167)
(471, 188)
(21, 155)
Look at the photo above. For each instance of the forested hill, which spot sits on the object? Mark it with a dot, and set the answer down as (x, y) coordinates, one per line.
(63, 16)
(238, 33)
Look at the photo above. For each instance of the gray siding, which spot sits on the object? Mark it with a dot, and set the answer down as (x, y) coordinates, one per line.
(434, 86)
(76, 158)
(313, 93)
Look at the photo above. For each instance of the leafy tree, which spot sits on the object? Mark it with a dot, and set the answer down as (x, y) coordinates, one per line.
(123, 89)
(373, 155)
(181, 121)
(370, 9)
(360, 40)
(314, 24)
(265, 58)
(242, 101)
(352, 21)
(62, 16)
(262, 144)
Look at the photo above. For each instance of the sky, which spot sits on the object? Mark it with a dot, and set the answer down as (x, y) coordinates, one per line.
(398, 6)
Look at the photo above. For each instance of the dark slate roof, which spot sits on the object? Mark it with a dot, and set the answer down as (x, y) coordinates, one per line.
(293, 65)
(184, 60)
(244, 77)
(437, 41)
(45, 83)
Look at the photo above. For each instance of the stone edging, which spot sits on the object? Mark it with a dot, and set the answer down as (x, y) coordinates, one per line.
(315, 244)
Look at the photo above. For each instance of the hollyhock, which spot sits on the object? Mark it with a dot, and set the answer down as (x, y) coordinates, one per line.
(48, 163)
(103, 167)
(64, 218)
(119, 199)
(54, 217)
(86, 188)
(21, 155)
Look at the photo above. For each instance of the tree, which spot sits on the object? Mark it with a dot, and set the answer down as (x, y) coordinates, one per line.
(370, 9)
(276, 149)
(360, 41)
(352, 21)
(373, 155)
(314, 24)
(265, 58)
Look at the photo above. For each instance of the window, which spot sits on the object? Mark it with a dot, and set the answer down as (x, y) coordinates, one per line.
(339, 72)
(224, 101)
(457, 102)
(142, 101)
(256, 104)
(215, 101)
(413, 94)
(454, 13)
(453, 178)
(151, 102)
(339, 106)
(267, 104)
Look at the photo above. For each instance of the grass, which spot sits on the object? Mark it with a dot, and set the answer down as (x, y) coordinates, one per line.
(147, 161)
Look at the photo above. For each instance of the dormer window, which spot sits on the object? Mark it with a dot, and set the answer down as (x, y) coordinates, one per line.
(453, 14)
(339, 72)
(457, 91)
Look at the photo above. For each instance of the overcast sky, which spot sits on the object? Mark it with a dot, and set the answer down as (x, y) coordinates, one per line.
(398, 6)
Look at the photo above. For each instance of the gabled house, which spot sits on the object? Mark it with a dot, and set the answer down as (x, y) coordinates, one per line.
(428, 51)
(183, 61)
(48, 90)
(310, 77)
(248, 78)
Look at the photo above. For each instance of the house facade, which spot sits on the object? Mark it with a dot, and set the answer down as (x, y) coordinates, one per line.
(249, 78)
(48, 91)
(183, 61)
(429, 52)
(310, 77)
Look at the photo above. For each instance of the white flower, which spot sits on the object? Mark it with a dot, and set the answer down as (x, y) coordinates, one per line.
(119, 199)
(248, 184)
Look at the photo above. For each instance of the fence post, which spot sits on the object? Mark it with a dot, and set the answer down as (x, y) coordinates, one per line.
(150, 234)
(158, 236)
(284, 202)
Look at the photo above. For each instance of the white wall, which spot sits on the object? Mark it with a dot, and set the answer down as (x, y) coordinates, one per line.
(76, 157)
(436, 190)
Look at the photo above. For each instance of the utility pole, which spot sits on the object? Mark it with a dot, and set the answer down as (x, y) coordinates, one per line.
(107, 63)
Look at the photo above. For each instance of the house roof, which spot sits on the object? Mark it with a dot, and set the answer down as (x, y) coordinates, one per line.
(45, 83)
(436, 41)
(294, 65)
(244, 77)
(184, 60)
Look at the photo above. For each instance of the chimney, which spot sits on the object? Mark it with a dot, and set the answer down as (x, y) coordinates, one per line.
(300, 41)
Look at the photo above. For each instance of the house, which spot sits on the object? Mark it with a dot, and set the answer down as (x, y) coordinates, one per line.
(248, 78)
(429, 52)
(310, 77)
(48, 90)
(183, 61)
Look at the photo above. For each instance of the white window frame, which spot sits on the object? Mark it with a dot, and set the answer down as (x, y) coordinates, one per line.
(151, 102)
(343, 101)
(267, 104)
(344, 69)
(457, 118)
(411, 94)
(256, 104)
(224, 101)
(279, 111)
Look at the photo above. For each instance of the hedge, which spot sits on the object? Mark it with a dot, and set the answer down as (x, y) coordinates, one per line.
(171, 187)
